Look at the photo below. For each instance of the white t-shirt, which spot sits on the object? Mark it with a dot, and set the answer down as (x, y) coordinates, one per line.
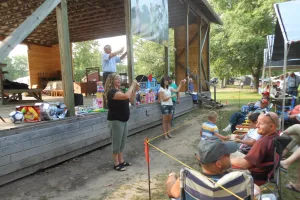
(252, 133)
(167, 93)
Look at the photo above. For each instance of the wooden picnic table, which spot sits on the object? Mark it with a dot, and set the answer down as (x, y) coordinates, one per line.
(15, 95)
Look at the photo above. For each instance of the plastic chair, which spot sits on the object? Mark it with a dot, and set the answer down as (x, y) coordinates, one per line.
(274, 175)
(195, 185)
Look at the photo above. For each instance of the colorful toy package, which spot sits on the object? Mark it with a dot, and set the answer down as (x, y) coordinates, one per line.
(31, 113)
(99, 94)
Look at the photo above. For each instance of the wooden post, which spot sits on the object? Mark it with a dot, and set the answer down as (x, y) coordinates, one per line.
(167, 63)
(187, 44)
(130, 63)
(208, 54)
(127, 6)
(199, 58)
(1, 83)
(65, 56)
(19, 34)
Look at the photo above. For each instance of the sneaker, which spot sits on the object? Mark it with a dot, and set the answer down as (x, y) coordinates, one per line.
(228, 128)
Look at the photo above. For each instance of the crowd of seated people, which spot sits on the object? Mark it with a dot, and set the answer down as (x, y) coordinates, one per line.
(213, 154)
(256, 146)
(239, 117)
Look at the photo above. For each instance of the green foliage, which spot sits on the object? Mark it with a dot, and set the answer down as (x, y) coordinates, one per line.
(149, 57)
(17, 67)
(85, 55)
(237, 46)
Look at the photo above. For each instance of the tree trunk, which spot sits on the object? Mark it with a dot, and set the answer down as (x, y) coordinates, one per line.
(256, 76)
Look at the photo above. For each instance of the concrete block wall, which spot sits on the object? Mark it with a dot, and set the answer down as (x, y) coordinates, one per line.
(28, 149)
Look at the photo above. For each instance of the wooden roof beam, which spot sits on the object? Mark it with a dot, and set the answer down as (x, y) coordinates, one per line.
(26, 28)
(196, 11)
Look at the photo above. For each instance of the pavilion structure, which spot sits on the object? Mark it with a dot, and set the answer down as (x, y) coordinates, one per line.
(48, 27)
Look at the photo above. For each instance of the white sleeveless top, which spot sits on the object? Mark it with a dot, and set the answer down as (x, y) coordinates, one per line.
(167, 93)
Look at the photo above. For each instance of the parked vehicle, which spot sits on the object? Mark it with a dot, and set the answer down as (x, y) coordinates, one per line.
(214, 80)
(231, 81)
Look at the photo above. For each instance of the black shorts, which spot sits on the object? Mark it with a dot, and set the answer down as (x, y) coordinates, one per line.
(167, 109)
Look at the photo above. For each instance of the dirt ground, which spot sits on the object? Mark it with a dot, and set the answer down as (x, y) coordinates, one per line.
(91, 177)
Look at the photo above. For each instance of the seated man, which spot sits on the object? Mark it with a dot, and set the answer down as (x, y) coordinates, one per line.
(262, 151)
(248, 140)
(214, 160)
(291, 116)
(251, 106)
(239, 117)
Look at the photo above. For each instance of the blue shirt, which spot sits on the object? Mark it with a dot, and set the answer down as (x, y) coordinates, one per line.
(292, 82)
(208, 130)
(109, 64)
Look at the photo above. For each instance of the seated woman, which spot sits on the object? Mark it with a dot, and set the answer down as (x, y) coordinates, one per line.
(239, 117)
(248, 140)
(294, 133)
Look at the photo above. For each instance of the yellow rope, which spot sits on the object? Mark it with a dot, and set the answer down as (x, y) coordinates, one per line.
(170, 131)
(230, 192)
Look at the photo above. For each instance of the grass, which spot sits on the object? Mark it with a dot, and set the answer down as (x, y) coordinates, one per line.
(235, 100)
(238, 86)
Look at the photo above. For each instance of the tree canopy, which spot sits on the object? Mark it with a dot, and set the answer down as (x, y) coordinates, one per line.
(237, 46)
(17, 67)
(85, 55)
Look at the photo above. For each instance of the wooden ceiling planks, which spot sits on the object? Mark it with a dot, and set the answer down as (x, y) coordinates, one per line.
(88, 19)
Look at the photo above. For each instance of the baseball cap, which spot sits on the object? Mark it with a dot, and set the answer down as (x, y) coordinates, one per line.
(212, 149)
(266, 93)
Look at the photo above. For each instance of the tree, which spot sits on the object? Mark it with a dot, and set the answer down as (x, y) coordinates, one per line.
(17, 67)
(85, 55)
(237, 46)
(149, 56)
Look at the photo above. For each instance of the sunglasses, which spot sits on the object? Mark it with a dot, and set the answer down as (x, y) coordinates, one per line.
(266, 113)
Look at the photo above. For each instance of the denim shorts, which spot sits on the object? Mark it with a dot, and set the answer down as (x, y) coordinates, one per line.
(167, 109)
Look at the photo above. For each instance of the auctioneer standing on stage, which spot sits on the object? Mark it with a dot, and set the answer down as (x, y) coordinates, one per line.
(109, 61)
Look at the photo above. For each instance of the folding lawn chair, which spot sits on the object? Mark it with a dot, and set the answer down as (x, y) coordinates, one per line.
(195, 185)
(274, 175)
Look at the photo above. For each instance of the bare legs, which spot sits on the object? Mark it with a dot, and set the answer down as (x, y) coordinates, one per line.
(167, 126)
(290, 160)
(118, 158)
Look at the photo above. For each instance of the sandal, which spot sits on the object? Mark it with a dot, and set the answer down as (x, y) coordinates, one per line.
(284, 170)
(119, 167)
(290, 186)
(125, 164)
